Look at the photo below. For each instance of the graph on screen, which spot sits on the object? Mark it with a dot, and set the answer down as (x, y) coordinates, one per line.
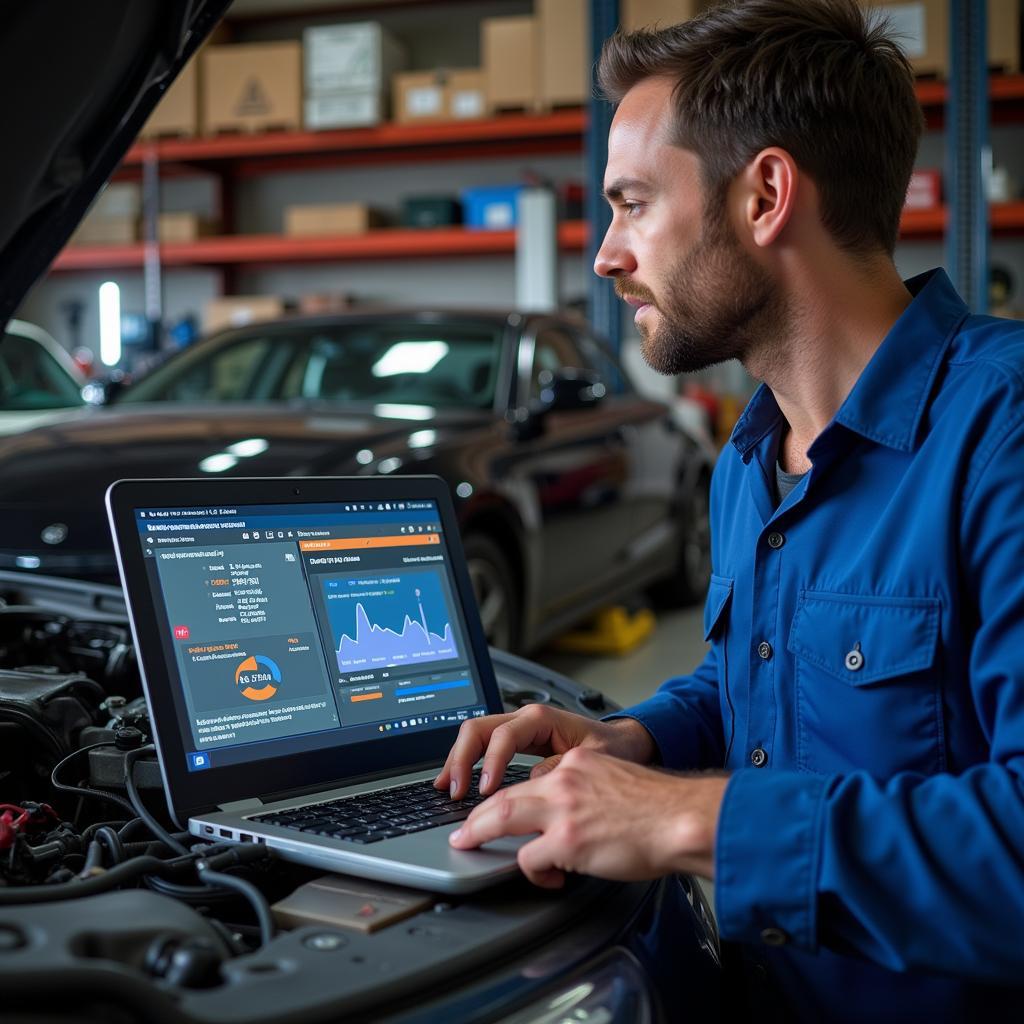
(393, 620)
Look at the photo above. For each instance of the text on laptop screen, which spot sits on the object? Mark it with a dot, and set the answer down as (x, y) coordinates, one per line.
(304, 626)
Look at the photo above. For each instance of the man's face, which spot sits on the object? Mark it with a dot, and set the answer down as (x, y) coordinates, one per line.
(700, 299)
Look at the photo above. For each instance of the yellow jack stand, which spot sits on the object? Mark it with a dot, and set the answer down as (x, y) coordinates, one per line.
(614, 630)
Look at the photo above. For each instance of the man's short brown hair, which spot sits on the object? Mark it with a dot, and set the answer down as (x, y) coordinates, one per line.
(818, 78)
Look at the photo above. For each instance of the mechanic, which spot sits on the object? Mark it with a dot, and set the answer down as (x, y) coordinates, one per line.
(861, 707)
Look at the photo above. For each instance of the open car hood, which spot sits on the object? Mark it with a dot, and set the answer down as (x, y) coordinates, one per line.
(78, 81)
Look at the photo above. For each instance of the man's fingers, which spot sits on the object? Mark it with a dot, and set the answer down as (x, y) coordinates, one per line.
(537, 863)
(549, 764)
(527, 731)
(502, 815)
(470, 743)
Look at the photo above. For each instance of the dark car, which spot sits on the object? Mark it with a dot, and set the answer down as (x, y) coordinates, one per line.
(572, 489)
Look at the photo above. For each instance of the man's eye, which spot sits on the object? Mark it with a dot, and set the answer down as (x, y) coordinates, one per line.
(631, 208)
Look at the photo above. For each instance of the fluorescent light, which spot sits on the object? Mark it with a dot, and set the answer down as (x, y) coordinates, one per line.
(218, 463)
(405, 412)
(247, 449)
(410, 357)
(110, 323)
(364, 456)
(389, 465)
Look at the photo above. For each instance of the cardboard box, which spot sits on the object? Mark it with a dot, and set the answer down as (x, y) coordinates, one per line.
(184, 227)
(1004, 35)
(358, 57)
(329, 219)
(467, 94)
(509, 49)
(420, 97)
(178, 112)
(921, 28)
(344, 110)
(239, 310)
(924, 191)
(637, 14)
(99, 230)
(254, 87)
(564, 36)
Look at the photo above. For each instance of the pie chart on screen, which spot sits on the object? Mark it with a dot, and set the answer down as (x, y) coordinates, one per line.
(258, 678)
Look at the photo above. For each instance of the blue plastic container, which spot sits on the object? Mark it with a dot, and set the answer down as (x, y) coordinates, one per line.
(491, 208)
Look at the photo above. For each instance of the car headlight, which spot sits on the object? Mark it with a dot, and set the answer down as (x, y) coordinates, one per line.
(610, 990)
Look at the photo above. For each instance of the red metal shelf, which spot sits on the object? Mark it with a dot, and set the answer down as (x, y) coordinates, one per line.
(557, 131)
(1006, 219)
(386, 243)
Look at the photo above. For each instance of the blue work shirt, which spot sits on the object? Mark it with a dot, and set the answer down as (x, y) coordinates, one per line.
(865, 685)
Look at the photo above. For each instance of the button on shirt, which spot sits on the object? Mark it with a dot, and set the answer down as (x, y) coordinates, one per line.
(885, 832)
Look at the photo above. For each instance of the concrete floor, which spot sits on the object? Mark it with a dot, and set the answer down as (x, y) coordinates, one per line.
(675, 647)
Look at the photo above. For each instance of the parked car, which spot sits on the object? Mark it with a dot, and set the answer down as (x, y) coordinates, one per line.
(37, 378)
(573, 490)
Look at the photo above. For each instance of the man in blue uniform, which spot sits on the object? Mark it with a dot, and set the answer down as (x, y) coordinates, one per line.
(861, 708)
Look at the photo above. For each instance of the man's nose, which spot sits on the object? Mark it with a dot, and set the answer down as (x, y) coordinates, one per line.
(614, 257)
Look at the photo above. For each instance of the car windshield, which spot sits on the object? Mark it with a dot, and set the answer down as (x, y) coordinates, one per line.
(445, 365)
(30, 378)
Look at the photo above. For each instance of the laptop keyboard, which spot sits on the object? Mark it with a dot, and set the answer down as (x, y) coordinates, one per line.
(386, 813)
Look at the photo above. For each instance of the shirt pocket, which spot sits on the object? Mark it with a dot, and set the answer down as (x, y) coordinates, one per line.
(716, 630)
(867, 693)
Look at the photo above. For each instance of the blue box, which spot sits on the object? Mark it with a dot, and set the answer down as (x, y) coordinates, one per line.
(491, 208)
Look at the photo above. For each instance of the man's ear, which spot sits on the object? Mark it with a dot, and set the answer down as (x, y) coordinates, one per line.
(768, 187)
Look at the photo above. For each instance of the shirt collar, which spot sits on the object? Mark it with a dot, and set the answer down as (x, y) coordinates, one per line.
(891, 394)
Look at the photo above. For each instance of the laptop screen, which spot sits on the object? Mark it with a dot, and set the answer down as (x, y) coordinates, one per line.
(300, 627)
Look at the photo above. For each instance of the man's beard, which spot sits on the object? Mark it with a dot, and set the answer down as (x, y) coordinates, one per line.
(719, 305)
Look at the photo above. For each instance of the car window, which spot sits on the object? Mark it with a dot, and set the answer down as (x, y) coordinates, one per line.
(447, 365)
(596, 357)
(30, 378)
(553, 349)
(229, 374)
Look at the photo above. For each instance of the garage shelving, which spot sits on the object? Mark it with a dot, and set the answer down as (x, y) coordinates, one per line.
(230, 157)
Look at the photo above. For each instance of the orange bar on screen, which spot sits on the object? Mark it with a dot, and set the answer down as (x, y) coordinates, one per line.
(348, 543)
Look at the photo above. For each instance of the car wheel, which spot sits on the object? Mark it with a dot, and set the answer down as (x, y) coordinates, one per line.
(496, 592)
(688, 584)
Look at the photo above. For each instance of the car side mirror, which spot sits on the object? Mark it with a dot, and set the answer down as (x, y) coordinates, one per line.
(103, 390)
(569, 389)
(563, 390)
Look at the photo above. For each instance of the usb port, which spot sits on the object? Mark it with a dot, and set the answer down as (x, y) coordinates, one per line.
(226, 833)
(245, 837)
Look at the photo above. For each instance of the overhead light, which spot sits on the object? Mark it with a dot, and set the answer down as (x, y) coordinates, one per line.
(364, 456)
(110, 323)
(410, 357)
(389, 465)
(247, 449)
(464, 490)
(422, 438)
(405, 412)
(218, 463)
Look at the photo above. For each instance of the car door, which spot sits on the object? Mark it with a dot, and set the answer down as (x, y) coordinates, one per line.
(576, 467)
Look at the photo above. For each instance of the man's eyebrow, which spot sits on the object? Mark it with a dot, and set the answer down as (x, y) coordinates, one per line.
(615, 189)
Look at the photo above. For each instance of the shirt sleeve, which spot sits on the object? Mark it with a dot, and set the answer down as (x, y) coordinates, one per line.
(915, 872)
(684, 718)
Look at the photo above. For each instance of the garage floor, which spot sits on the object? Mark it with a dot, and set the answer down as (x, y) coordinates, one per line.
(675, 647)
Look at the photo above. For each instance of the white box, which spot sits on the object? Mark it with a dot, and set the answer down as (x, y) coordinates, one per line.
(118, 199)
(358, 57)
(344, 110)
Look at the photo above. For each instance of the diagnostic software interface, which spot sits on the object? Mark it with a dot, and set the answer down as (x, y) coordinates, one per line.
(300, 627)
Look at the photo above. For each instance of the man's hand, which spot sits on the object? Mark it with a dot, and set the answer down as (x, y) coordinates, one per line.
(535, 729)
(602, 816)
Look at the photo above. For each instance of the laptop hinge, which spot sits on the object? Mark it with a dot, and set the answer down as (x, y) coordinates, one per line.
(237, 806)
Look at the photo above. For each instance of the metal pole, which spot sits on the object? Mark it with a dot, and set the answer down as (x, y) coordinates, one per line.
(604, 308)
(968, 153)
(152, 284)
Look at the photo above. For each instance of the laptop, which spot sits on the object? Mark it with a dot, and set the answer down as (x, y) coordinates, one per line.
(308, 649)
